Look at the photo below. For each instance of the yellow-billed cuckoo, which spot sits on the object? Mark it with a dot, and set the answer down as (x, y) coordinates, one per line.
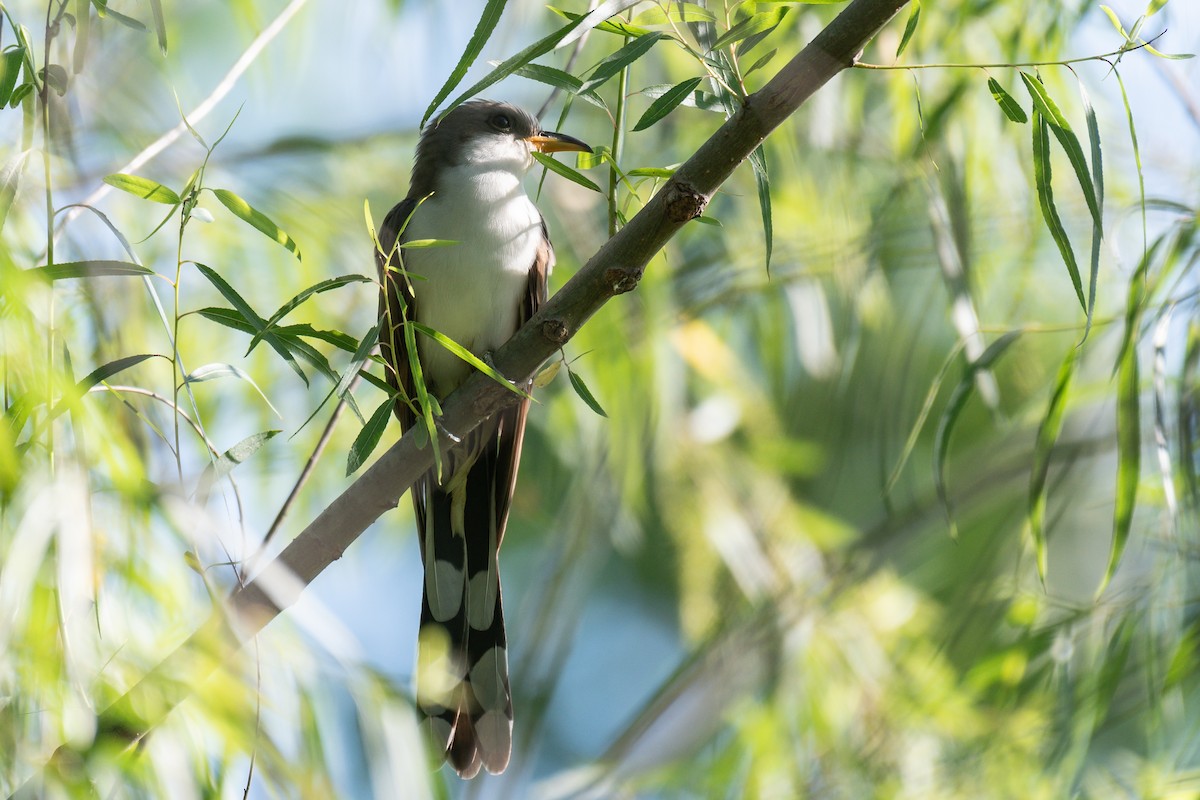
(466, 187)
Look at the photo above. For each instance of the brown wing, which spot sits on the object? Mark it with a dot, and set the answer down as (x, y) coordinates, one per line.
(512, 420)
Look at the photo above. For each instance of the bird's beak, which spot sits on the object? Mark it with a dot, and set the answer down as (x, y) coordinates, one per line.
(551, 142)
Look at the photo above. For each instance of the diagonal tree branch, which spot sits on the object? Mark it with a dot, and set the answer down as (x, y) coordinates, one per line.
(615, 269)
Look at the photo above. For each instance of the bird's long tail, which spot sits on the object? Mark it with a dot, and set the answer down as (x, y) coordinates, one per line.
(462, 676)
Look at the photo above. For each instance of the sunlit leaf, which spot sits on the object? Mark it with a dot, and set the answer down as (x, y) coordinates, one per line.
(238, 454)
(89, 269)
(585, 394)
(10, 71)
(160, 25)
(216, 370)
(143, 188)
(291, 305)
(570, 174)
(469, 357)
(1098, 181)
(1045, 194)
(83, 26)
(1011, 108)
(910, 27)
(758, 160)
(762, 22)
(1069, 142)
(256, 219)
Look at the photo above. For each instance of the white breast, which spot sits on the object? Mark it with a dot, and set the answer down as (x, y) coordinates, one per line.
(472, 291)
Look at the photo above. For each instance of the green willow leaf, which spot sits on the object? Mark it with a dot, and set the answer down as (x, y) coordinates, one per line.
(758, 160)
(83, 26)
(621, 59)
(570, 174)
(667, 103)
(1011, 108)
(1069, 142)
(560, 80)
(1047, 436)
(128, 22)
(368, 438)
(1098, 180)
(10, 70)
(466, 355)
(1128, 460)
(257, 220)
(235, 455)
(762, 22)
(160, 25)
(954, 406)
(250, 316)
(585, 394)
(483, 31)
(910, 27)
(1041, 179)
(300, 299)
(90, 269)
(143, 188)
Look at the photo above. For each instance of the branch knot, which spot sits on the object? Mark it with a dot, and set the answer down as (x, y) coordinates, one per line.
(684, 202)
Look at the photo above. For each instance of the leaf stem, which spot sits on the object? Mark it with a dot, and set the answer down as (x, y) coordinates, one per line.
(1004, 65)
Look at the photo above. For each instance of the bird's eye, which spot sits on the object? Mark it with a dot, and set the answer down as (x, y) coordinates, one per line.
(501, 122)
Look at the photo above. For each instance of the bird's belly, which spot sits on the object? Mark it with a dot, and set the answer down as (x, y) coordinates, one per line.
(472, 291)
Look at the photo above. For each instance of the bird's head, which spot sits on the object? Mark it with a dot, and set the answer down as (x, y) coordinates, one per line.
(488, 135)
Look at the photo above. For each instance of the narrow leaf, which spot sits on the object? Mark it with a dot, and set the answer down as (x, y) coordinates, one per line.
(128, 22)
(483, 32)
(1011, 108)
(235, 455)
(143, 188)
(758, 160)
(667, 103)
(762, 62)
(300, 299)
(758, 23)
(675, 12)
(560, 80)
(216, 370)
(958, 400)
(1047, 435)
(910, 27)
(10, 181)
(621, 59)
(1069, 142)
(10, 70)
(585, 394)
(256, 219)
(90, 269)
(1098, 180)
(1041, 179)
(469, 357)
(160, 24)
(570, 174)
(368, 438)
(251, 317)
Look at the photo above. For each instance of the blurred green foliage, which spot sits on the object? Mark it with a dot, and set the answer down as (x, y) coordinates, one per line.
(741, 582)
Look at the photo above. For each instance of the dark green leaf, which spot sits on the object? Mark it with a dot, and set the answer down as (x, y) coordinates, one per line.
(621, 59)
(1047, 435)
(160, 24)
(10, 70)
(758, 23)
(561, 80)
(562, 169)
(1069, 141)
(256, 219)
(667, 103)
(615, 26)
(1098, 180)
(1041, 179)
(368, 438)
(251, 317)
(298, 300)
(19, 94)
(910, 27)
(954, 406)
(1011, 108)
(483, 31)
(98, 376)
(584, 393)
(762, 62)
(758, 160)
